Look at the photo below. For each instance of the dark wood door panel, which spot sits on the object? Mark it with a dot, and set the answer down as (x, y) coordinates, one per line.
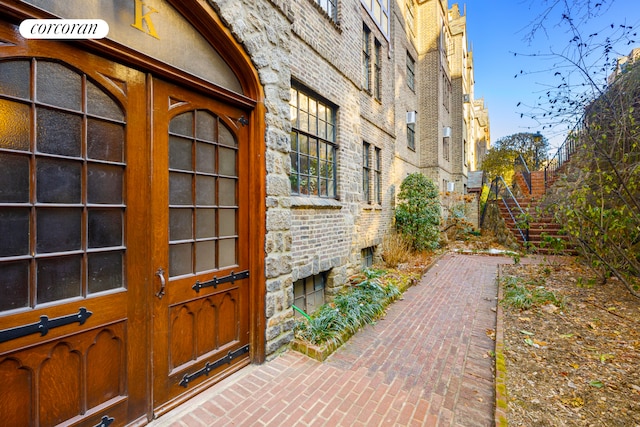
(66, 378)
(99, 310)
(204, 326)
(199, 204)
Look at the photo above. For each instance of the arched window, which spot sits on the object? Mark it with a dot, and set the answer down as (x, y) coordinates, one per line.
(62, 167)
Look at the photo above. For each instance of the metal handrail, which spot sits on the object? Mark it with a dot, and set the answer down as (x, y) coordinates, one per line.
(520, 165)
(564, 153)
(500, 191)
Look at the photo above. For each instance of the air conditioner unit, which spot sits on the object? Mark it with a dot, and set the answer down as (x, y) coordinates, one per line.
(466, 98)
(451, 186)
(411, 117)
(446, 132)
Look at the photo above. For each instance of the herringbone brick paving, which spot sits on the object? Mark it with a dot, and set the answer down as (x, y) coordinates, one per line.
(427, 363)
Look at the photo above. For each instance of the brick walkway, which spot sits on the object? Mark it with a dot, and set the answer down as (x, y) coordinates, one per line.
(426, 363)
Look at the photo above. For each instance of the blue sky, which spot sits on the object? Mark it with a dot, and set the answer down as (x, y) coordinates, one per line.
(497, 29)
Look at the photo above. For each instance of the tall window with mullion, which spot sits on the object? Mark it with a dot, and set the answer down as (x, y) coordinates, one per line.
(377, 176)
(410, 15)
(411, 136)
(377, 70)
(380, 12)
(366, 58)
(411, 72)
(313, 149)
(366, 172)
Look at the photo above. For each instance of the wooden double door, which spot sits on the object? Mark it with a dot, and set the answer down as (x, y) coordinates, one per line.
(124, 239)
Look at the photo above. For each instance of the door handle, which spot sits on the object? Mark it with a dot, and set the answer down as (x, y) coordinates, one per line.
(163, 283)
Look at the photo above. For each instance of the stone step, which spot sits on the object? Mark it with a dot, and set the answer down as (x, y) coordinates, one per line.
(541, 229)
(546, 222)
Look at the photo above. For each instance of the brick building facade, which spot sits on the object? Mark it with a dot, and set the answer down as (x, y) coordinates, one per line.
(258, 147)
(399, 78)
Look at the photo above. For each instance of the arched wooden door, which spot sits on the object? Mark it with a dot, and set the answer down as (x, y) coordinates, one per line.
(200, 229)
(73, 271)
(128, 215)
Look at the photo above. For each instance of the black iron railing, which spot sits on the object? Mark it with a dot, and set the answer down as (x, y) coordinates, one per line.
(520, 165)
(564, 153)
(500, 191)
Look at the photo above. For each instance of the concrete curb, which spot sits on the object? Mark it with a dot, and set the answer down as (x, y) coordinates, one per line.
(501, 368)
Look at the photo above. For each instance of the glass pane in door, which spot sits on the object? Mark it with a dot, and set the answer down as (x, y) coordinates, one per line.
(16, 121)
(202, 179)
(62, 210)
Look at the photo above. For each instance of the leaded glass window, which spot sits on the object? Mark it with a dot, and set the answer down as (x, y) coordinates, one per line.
(313, 148)
(203, 200)
(63, 172)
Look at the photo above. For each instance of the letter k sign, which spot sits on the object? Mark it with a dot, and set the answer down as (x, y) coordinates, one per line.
(145, 18)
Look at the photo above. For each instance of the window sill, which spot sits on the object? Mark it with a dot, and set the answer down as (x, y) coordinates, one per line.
(314, 202)
(370, 207)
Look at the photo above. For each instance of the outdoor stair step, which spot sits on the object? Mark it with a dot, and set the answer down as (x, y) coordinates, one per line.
(541, 227)
(550, 225)
(537, 223)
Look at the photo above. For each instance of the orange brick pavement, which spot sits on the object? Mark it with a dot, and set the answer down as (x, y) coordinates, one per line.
(426, 363)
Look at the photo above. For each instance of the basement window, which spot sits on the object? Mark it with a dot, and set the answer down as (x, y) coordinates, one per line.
(308, 293)
(367, 256)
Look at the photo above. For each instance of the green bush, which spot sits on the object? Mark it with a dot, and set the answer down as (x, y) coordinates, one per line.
(418, 212)
(350, 310)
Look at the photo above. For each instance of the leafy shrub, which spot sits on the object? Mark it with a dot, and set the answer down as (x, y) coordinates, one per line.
(601, 215)
(350, 310)
(418, 212)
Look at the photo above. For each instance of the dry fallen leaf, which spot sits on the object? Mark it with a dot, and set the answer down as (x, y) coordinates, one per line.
(591, 352)
(576, 402)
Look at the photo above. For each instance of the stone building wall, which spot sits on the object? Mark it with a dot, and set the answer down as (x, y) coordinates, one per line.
(406, 160)
(460, 114)
(333, 70)
(495, 223)
(296, 42)
(263, 27)
(434, 93)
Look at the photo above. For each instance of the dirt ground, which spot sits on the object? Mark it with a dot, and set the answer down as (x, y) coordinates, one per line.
(577, 364)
